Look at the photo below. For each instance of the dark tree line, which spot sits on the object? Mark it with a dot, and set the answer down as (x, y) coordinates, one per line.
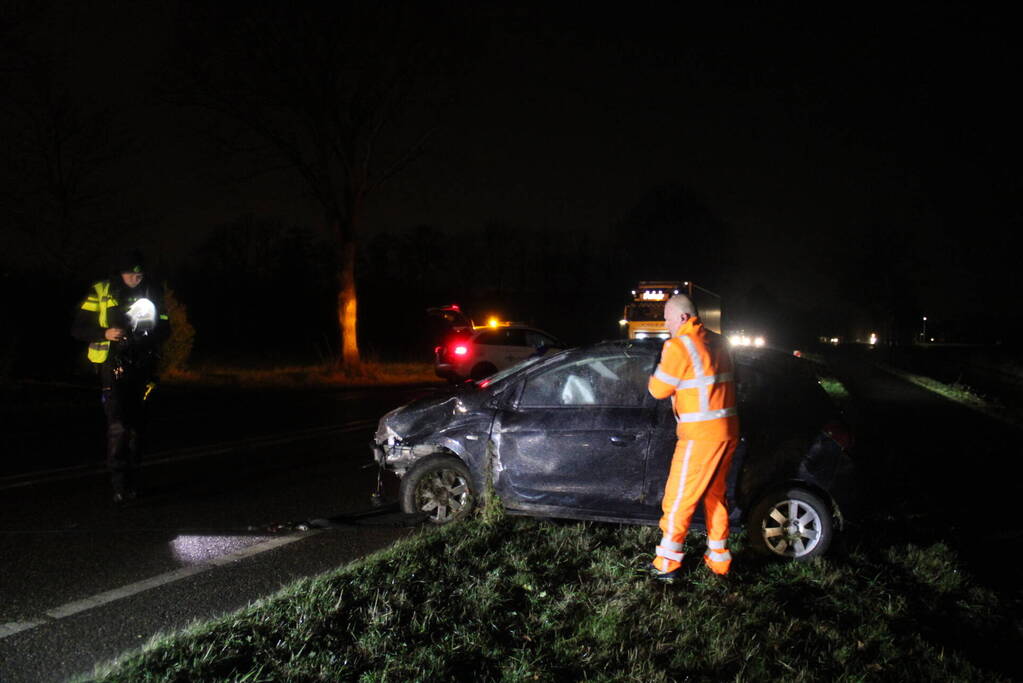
(260, 288)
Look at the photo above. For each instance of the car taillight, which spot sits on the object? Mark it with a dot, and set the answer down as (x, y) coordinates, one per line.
(457, 348)
(840, 434)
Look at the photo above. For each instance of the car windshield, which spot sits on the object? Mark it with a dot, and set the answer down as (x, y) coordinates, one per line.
(645, 311)
(507, 372)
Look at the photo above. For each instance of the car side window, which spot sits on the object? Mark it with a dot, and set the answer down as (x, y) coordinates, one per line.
(537, 339)
(607, 381)
(487, 337)
(514, 338)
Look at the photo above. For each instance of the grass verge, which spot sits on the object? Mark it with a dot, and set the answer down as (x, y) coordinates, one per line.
(505, 598)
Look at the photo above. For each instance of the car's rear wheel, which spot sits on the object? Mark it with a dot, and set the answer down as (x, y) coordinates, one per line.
(439, 488)
(481, 370)
(791, 523)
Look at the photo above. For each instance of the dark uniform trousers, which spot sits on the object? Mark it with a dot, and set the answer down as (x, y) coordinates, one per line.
(125, 408)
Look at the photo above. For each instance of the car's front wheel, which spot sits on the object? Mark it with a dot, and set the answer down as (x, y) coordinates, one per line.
(440, 488)
(791, 523)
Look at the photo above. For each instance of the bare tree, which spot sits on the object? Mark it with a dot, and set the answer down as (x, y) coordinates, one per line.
(337, 91)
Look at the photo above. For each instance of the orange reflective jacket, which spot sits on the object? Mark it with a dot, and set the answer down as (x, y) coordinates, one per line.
(696, 371)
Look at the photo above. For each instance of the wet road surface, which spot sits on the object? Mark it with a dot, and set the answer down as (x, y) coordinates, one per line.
(245, 492)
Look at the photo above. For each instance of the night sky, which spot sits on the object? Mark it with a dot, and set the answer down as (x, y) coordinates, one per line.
(831, 141)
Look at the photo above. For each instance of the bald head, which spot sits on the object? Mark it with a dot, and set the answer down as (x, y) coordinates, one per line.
(677, 311)
(682, 304)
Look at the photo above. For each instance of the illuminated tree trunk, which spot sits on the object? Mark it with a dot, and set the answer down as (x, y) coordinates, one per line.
(347, 309)
(342, 226)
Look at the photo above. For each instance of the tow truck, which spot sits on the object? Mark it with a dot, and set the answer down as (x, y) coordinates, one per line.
(644, 315)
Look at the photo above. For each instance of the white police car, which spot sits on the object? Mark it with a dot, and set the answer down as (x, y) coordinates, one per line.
(480, 351)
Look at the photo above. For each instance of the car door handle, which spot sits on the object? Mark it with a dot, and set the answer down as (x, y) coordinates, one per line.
(622, 439)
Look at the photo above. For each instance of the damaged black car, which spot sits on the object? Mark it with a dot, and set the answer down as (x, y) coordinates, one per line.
(577, 436)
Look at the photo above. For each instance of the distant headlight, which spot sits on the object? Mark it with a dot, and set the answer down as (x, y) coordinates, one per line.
(641, 335)
(759, 341)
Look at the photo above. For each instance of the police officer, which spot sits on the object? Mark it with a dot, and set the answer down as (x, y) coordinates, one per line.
(124, 322)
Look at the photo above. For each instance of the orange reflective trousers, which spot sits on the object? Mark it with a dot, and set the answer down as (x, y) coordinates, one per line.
(698, 469)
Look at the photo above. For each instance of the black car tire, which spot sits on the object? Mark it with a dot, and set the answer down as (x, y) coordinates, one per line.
(481, 370)
(791, 523)
(438, 487)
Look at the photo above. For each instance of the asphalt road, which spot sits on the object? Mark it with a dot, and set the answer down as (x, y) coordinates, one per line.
(235, 477)
(245, 492)
(935, 470)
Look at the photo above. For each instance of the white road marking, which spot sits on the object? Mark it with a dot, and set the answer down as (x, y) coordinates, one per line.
(93, 601)
(163, 457)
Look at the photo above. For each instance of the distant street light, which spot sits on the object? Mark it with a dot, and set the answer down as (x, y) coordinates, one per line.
(923, 336)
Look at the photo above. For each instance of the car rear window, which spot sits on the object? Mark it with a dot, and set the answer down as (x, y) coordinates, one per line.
(782, 390)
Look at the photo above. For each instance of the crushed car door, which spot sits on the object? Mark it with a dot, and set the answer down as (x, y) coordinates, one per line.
(577, 436)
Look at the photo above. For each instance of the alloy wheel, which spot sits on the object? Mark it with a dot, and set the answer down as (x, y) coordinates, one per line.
(443, 494)
(792, 528)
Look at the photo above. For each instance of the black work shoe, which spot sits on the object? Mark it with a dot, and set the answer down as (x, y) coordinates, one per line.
(666, 577)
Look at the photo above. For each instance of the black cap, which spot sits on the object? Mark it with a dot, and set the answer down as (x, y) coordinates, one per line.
(131, 261)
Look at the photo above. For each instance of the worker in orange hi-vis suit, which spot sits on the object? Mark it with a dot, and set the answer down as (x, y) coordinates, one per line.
(695, 370)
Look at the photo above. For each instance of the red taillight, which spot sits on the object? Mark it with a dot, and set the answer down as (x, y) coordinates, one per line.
(840, 434)
(457, 348)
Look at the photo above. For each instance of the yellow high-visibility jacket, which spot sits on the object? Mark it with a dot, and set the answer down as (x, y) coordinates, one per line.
(100, 301)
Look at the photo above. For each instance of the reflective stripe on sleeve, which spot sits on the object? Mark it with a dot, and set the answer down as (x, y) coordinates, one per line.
(90, 305)
(669, 554)
(718, 557)
(665, 377)
(716, 545)
(707, 415)
(705, 381)
(163, 316)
